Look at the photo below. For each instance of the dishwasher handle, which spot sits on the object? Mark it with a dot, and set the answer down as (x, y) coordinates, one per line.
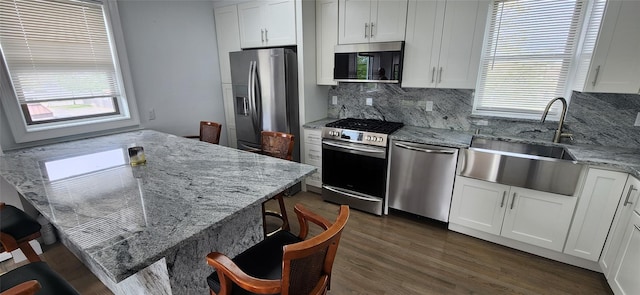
(404, 146)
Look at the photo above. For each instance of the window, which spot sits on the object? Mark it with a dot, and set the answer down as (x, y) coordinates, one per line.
(527, 57)
(63, 66)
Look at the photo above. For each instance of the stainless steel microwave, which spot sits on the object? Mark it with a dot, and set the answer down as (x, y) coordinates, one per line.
(369, 62)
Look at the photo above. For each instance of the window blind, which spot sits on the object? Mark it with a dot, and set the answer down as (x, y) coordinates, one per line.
(57, 50)
(527, 56)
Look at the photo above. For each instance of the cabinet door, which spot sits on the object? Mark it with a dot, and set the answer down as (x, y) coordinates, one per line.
(229, 114)
(388, 20)
(615, 66)
(478, 204)
(326, 40)
(251, 24)
(228, 37)
(626, 272)
(630, 197)
(280, 23)
(597, 205)
(353, 21)
(538, 218)
(459, 50)
(424, 22)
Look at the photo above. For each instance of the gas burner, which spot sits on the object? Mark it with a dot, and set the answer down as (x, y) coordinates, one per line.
(368, 125)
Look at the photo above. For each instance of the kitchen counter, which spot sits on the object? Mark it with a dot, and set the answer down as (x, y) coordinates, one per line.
(155, 221)
(622, 159)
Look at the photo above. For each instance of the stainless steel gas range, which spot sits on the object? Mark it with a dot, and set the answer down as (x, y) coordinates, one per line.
(354, 162)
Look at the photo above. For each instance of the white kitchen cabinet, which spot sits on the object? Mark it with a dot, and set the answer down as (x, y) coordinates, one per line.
(615, 63)
(229, 114)
(228, 38)
(596, 208)
(326, 40)
(267, 23)
(533, 217)
(363, 21)
(625, 279)
(630, 199)
(478, 204)
(313, 155)
(443, 42)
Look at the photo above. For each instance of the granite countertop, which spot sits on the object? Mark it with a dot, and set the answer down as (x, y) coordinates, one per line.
(126, 217)
(617, 158)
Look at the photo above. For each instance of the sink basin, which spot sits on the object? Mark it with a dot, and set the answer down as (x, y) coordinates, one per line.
(535, 166)
(555, 152)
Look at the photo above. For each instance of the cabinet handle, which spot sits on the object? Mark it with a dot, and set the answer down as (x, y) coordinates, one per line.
(366, 28)
(626, 201)
(596, 77)
(504, 194)
(371, 31)
(262, 35)
(440, 75)
(513, 200)
(637, 227)
(433, 75)
(266, 35)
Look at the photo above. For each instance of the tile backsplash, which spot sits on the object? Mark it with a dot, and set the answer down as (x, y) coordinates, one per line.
(594, 118)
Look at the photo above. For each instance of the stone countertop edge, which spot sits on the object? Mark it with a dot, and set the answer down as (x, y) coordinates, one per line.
(616, 158)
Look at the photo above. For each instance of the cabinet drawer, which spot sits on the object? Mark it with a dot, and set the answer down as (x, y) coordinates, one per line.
(313, 155)
(315, 179)
(313, 136)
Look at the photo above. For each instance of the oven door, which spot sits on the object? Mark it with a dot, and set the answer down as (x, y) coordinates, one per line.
(354, 174)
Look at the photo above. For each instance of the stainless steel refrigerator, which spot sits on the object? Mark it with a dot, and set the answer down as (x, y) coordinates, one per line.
(265, 90)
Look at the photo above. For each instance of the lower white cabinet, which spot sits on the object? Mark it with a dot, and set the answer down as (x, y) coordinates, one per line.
(537, 218)
(596, 208)
(613, 246)
(625, 278)
(313, 155)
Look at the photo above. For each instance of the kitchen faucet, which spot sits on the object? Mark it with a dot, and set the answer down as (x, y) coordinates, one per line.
(558, 135)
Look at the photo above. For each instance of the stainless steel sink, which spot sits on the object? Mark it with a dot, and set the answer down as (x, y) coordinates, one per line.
(539, 167)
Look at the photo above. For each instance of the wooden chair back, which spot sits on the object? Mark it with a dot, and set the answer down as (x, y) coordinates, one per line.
(278, 144)
(210, 131)
(307, 265)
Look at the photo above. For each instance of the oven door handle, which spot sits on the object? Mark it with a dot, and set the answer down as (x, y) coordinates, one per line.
(337, 190)
(354, 148)
(424, 150)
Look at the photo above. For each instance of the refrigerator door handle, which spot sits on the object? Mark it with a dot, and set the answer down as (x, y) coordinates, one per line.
(254, 84)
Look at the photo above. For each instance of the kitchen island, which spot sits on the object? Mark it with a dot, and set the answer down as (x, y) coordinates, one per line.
(146, 229)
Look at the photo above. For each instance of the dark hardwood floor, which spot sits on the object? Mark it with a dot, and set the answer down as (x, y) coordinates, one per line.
(404, 254)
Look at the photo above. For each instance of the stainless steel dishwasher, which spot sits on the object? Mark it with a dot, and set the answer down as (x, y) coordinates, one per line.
(421, 179)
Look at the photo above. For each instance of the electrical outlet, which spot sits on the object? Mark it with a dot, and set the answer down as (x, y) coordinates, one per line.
(369, 101)
(152, 114)
(428, 106)
(637, 123)
(334, 100)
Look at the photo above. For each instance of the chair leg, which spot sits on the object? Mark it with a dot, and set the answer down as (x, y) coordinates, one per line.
(29, 252)
(264, 219)
(283, 212)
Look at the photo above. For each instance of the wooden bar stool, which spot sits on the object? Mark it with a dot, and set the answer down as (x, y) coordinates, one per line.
(16, 230)
(278, 145)
(209, 132)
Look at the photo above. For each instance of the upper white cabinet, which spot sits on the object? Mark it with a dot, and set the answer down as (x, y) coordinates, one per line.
(228, 37)
(533, 217)
(615, 64)
(443, 43)
(363, 21)
(326, 40)
(629, 200)
(267, 23)
(596, 208)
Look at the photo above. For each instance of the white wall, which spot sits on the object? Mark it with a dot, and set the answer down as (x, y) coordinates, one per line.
(174, 63)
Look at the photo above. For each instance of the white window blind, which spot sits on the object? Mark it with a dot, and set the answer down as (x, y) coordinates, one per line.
(58, 50)
(527, 56)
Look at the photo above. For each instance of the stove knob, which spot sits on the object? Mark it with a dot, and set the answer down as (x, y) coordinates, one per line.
(374, 138)
(368, 137)
(380, 139)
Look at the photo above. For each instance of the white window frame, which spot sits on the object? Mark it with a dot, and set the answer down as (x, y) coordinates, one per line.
(127, 118)
(554, 113)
